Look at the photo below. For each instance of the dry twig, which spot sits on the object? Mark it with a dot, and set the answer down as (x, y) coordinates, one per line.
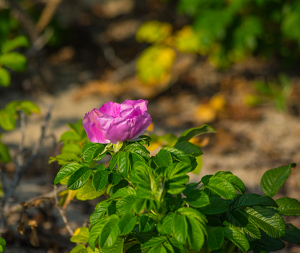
(62, 212)
(21, 167)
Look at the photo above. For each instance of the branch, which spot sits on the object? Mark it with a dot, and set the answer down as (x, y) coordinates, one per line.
(47, 15)
(34, 201)
(62, 213)
(21, 167)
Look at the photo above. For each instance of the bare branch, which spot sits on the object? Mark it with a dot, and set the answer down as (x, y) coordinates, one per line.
(62, 213)
(47, 15)
(21, 167)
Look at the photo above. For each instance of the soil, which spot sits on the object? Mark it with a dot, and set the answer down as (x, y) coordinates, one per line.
(77, 77)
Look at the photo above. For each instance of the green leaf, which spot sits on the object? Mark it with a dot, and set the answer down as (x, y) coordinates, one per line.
(139, 205)
(77, 127)
(20, 41)
(199, 165)
(28, 107)
(124, 164)
(113, 161)
(165, 226)
(109, 232)
(234, 180)
(217, 206)
(123, 183)
(237, 237)
(7, 119)
(114, 178)
(4, 77)
(136, 158)
(79, 178)
(215, 237)
(123, 192)
(89, 250)
(192, 132)
(180, 228)
(69, 136)
(87, 192)
(127, 223)
(66, 170)
(95, 231)
(220, 186)
(65, 158)
(71, 148)
(195, 233)
(78, 249)
(14, 61)
(2, 242)
(288, 206)
(153, 242)
(116, 248)
(100, 211)
(272, 244)
(273, 179)
(197, 198)
(292, 234)
(91, 150)
(142, 176)
(82, 236)
(146, 224)
(252, 199)
(4, 153)
(125, 204)
(188, 148)
(178, 154)
(100, 180)
(163, 158)
(267, 220)
(192, 213)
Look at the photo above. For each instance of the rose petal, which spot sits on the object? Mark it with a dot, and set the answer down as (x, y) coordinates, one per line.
(130, 113)
(140, 124)
(115, 129)
(142, 104)
(92, 127)
(111, 109)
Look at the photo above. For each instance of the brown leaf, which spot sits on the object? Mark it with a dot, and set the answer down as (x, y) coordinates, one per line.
(21, 228)
(32, 223)
(34, 239)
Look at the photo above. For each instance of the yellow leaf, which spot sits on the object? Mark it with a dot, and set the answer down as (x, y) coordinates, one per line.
(153, 32)
(188, 41)
(217, 102)
(150, 127)
(154, 64)
(206, 113)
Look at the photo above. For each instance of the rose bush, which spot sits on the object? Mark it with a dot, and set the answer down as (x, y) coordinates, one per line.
(148, 203)
(115, 122)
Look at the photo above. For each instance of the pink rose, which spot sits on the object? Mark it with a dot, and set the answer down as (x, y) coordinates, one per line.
(115, 122)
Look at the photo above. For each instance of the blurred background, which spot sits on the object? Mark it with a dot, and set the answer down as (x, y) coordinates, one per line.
(233, 64)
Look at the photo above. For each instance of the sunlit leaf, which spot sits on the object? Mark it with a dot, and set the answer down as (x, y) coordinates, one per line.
(9, 45)
(4, 153)
(14, 61)
(273, 179)
(154, 64)
(153, 31)
(4, 77)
